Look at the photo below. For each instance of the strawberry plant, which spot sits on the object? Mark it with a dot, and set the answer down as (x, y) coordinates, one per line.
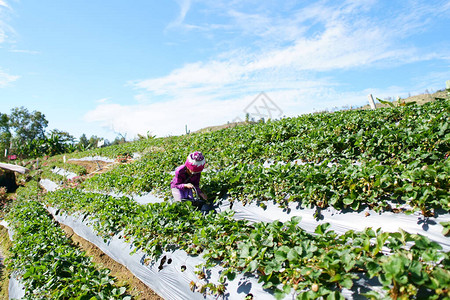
(350, 159)
(385, 159)
(49, 266)
(285, 258)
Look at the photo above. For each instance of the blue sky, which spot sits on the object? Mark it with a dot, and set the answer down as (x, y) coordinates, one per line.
(130, 67)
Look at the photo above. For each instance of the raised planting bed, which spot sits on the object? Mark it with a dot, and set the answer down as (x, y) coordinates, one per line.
(47, 264)
(285, 259)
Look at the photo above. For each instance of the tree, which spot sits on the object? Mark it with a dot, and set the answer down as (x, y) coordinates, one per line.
(5, 134)
(93, 140)
(247, 117)
(24, 132)
(27, 126)
(58, 142)
(64, 136)
(119, 140)
(4, 125)
(28, 131)
(83, 144)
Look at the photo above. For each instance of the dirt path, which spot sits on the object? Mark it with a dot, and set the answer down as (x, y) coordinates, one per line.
(4, 275)
(135, 287)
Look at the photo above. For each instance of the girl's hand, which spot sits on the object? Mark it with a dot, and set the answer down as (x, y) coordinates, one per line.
(188, 186)
(203, 195)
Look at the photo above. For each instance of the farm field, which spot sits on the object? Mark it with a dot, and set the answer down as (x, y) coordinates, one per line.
(352, 204)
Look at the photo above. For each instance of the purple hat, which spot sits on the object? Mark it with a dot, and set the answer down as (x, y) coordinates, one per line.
(195, 162)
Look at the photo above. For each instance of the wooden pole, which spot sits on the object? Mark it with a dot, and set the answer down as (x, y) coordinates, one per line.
(372, 102)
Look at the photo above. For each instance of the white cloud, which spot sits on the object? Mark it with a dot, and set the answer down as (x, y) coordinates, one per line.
(103, 100)
(5, 29)
(4, 4)
(338, 47)
(345, 41)
(24, 51)
(164, 118)
(184, 8)
(6, 79)
(292, 65)
(170, 118)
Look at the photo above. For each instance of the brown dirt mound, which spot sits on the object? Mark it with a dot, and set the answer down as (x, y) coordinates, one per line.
(124, 277)
(5, 243)
(419, 99)
(96, 166)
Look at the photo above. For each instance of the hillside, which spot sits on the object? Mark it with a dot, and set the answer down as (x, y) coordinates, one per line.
(419, 99)
(347, 204)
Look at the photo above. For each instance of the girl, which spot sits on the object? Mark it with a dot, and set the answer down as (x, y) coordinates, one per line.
(187, 178)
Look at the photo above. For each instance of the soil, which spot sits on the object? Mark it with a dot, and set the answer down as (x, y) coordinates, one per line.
(93, 167)
(419, 99)
(5, 243)
(136, 288)
(219, 127)
(423, 98)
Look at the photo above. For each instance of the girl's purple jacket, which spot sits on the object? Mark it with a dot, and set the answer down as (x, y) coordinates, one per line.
(181, 177)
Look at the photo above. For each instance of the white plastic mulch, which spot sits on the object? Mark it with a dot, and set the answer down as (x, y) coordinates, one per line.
(168, 279)
(62, 172)
(340, 221)
(171, 275)
(343, 221)
(170, 282)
